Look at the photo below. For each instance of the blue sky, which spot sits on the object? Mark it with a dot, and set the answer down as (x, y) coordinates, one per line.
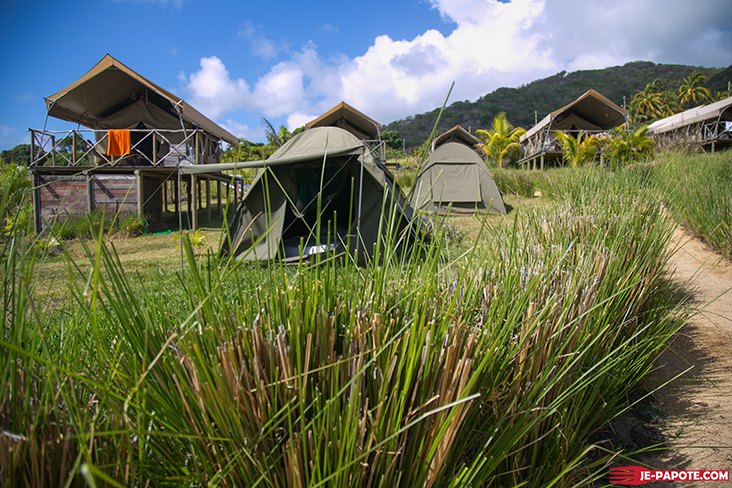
(238, 62)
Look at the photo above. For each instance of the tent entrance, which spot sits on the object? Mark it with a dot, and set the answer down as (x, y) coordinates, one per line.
(300, 227)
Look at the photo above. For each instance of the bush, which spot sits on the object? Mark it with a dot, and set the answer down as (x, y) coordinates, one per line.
(14, 186)
(516, 181)
(87, 226)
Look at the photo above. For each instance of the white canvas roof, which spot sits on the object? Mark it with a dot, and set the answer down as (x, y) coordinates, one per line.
(456, 134)
(591, 111)
(103, 96)
(350, 119)
(693, 115)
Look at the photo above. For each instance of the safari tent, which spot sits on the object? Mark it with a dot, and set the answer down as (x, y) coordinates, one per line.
(710, 125)
(591, 113)
(456, 134)
(348, 118)
(124, 155)
(324, 189)
(455, 175)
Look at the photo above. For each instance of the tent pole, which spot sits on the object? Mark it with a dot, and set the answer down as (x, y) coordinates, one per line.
(360, 194)
(208, 199)
(193, 202)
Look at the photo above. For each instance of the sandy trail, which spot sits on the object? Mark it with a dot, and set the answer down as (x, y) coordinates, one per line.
(698, 405)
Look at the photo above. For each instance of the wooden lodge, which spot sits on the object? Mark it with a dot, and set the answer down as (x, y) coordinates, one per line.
(708, 125)
(126, 154)
(590, 114)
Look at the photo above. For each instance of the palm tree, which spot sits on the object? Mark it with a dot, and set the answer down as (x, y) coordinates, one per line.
(500, 139)
(628, 147)
(577, 151)
(692, 91)
(650, 103)
(569, 145)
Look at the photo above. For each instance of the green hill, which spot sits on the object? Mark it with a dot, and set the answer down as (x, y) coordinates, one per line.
(532, 102)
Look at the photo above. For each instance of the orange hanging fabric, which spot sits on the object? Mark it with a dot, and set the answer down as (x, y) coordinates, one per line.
(118, 142)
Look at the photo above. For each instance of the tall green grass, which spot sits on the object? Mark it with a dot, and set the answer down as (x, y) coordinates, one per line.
(698, 190)
(491, 367)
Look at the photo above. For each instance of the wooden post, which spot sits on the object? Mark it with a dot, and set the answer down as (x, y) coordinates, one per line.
(218, 196)
(73, 147)
(175, 195)
(542, 161)
(165, 196)
(198, 147)
(53, 150)
(89, 191)
(228, 193)
(193, 203)
(140, 199)
(32, 148)
(37, 203)
(208, 200)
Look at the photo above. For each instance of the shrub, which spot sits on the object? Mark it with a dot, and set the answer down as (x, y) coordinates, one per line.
(14, 186)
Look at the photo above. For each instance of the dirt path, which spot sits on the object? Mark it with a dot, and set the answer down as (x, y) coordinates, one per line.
(698, 405)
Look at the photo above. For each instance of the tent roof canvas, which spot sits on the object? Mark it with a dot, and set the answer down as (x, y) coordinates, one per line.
(721, 109)
(320, 161)
(456, 134)
(111, 87)
(455, 174)
(350, 119)
(591, 111)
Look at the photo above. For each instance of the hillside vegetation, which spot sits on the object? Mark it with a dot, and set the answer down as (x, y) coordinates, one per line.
(534, 101)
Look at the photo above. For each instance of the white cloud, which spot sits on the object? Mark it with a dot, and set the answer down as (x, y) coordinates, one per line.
(241, 131)
(299, 119)
(290, 86)
(329, 28)
(213, 91)
(260, 45)
(493, 44)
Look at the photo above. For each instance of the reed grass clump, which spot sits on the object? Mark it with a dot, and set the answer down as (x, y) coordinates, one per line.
(698, 189)
(491, 367)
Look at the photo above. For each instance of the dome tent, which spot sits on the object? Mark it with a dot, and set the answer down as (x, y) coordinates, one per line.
(280, 216)
(455, 175)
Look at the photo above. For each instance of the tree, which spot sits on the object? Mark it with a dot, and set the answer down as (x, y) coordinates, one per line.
(283, 134)
(577, 151)
(625, 147)
(394, 144)
(14, 186)
(570, 146)
(19, 155)
(501, 139)
(692, 92)
(649, 104)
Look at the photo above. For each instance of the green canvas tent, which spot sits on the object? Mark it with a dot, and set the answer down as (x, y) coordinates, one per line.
(455, 175)
(279, 214)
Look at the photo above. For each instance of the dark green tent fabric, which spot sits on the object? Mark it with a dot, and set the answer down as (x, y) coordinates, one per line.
(455, 175)
(280, 212)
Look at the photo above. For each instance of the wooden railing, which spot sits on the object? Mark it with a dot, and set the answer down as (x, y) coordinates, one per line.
(148, 147)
